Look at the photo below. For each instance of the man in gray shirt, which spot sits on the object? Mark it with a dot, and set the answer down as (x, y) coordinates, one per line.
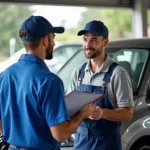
(101, 131)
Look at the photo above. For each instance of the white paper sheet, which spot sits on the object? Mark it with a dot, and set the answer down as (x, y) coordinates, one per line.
(77, 100)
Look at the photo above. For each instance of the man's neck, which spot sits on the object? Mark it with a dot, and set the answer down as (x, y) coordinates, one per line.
(37, 53)
(97, 62)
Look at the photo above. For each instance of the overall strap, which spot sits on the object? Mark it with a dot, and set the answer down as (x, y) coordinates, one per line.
(81, 73)
(108, 74)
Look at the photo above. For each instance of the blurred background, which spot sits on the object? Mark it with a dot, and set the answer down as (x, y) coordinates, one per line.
(119, 22)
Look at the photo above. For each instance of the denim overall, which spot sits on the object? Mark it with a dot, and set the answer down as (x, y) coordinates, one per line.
(98, 134)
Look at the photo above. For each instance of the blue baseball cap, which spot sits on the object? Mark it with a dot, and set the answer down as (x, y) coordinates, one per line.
(97, 28)
(37, 27)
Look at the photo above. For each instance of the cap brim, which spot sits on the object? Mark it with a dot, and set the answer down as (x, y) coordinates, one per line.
(58, 29)
(81, 32)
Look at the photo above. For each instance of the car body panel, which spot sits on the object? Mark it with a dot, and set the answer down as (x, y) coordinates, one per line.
(136, 130)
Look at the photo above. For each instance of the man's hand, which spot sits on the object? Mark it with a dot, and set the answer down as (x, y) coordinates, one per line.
(96, 114)
(87, 110)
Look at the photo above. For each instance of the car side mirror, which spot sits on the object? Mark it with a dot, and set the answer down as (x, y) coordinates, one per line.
(148, 93)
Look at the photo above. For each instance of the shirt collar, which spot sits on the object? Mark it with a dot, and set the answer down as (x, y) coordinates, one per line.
(32, 58)
(103, 68)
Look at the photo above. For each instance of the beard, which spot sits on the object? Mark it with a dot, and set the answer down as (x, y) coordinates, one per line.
(49, 50)
(94, 52)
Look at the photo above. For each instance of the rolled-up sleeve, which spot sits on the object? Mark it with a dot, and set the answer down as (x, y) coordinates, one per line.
(123, 89)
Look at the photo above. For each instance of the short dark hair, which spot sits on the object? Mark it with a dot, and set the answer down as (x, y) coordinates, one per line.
(29, 45)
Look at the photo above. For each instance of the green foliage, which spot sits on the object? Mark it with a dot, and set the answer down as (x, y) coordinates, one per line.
(118, 21)
(69, 35)
(11, 17)
(88, 15)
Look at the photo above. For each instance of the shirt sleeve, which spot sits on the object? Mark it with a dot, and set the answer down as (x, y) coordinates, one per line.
(73, 82)
(53, 103)
(123, 88)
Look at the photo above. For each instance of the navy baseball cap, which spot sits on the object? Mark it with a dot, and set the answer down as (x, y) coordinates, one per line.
(97, 28)
(37, 27)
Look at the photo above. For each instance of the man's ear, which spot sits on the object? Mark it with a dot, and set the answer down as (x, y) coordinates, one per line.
(45, 40)
(106, 41)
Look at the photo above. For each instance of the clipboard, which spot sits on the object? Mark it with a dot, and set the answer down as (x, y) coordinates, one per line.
(76, 100)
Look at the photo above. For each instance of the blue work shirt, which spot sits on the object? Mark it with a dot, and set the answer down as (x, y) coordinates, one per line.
(31, 101)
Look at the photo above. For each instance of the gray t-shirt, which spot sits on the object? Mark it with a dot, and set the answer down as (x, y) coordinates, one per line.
(119, 88)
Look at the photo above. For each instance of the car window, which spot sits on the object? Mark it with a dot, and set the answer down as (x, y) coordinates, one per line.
(65, 52)
(66, 71)
(61, 55)
(133, 60)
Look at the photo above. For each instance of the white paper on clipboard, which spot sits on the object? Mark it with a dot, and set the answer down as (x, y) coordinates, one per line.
(76, 100)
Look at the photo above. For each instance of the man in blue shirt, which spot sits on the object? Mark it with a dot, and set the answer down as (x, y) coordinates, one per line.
(32, 108)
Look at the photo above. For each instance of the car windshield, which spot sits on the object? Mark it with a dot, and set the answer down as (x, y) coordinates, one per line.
(133, 60)
(60, 55)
